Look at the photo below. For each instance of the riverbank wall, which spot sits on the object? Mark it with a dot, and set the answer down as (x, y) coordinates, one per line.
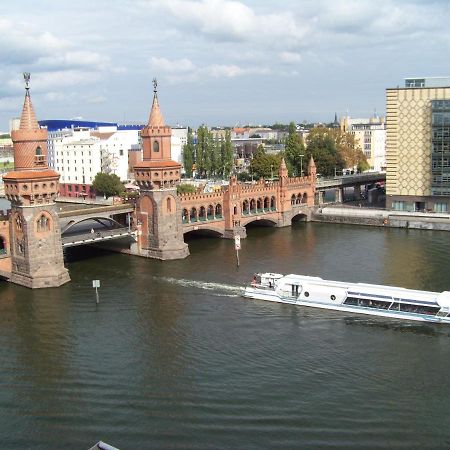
(382, 218)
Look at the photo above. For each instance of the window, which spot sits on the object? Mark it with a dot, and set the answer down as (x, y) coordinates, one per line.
(399, 205)
(156, 146)
(440, 207)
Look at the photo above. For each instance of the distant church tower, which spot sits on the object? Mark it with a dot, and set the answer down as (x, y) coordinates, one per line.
(159, 210)
(36, 248)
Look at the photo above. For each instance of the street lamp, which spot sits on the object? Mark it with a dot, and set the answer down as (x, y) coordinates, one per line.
(301, 165)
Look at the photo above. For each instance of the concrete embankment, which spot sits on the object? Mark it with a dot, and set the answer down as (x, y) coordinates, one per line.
(382, 218)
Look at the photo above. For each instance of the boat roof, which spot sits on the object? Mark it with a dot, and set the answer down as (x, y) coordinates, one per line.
(376, 290)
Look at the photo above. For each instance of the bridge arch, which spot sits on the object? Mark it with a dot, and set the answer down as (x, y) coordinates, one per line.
(204, 231)
(300, 217)
(103, 221)
(261, 222)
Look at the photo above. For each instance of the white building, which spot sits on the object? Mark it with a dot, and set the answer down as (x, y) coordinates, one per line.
(178, 140)
(78, 154)
(371, 135)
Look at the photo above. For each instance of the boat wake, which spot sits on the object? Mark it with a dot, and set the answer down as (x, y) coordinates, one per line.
(216, 289)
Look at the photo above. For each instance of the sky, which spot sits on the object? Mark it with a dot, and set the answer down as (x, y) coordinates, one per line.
(217, 62)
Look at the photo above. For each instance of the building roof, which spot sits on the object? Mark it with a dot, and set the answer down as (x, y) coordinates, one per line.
(157, 164)
(30, 174)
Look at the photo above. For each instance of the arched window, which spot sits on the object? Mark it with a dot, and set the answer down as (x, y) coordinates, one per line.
(3, 249)
(299, 199)
(273, 203)
(193, 214)
(185, 215)
(219, 210)
(38, 151)
(202, 213)
(43, 223)
(266, 202)
(18, 221)
(155, 146)
(169, 205)
(245, 207)
(293, 199)
(210, 214)
(305, 198)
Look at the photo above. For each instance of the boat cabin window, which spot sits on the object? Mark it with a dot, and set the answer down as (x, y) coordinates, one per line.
(294, 290)
(391, 306)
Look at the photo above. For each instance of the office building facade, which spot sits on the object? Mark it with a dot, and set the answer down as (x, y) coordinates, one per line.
(418, 145)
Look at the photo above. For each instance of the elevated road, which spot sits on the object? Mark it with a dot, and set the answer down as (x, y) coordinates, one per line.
(350, 180)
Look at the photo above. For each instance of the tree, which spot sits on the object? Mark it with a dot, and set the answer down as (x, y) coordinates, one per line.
(264, 165)
(322, 147)
(108, 184)
(186, 188)
(188, 154)
(227, 154)
(200, 151)
(294, 151)
(348, 149)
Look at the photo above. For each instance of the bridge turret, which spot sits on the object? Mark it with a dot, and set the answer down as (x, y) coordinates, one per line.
(35, 236)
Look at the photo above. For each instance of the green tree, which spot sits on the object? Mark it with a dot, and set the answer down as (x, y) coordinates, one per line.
(216, 162)
(322, 147)
(227, 154)
(263, 165)
(294, 151)
(186, 188)
(108, 184)
(188, 154)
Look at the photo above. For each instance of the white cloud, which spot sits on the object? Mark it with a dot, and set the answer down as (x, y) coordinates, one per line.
(172, 66)
(290, 57)
(185, 70)
(71, 59)
(233, 21)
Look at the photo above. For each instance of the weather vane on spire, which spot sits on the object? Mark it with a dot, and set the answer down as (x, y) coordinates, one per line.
(26, 77)
(155, 85)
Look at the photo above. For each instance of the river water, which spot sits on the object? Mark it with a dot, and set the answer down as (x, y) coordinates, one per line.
(174, 358)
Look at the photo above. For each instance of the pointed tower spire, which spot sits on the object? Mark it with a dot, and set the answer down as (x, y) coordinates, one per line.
(156, 118)
(28, 119)
(312, 170)
(283, 169)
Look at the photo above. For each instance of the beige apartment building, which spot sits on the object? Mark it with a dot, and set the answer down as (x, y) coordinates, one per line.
(418, 145)
(371, 136)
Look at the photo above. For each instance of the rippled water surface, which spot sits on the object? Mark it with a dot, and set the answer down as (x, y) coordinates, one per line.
(173, 357)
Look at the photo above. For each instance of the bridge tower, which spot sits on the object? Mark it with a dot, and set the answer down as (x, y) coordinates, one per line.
(35, 236)
(158, 207)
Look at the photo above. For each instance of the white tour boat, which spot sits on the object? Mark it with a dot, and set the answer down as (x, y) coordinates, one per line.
(360, 298)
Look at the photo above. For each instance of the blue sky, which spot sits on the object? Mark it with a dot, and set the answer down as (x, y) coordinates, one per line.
(218, 62)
